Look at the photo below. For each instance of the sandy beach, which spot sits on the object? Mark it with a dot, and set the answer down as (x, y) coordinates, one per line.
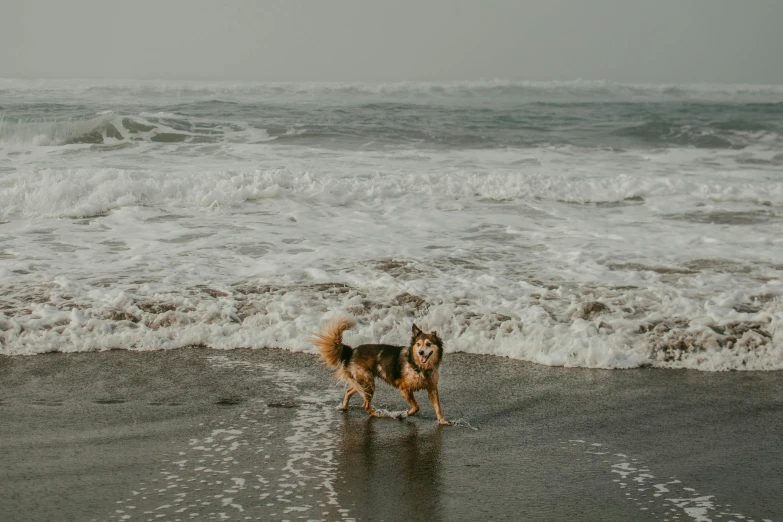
(253, 435)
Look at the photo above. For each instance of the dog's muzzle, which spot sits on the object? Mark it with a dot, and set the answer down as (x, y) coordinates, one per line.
(424, 356)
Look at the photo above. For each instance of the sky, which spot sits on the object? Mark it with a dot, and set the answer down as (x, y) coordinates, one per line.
(662, 41)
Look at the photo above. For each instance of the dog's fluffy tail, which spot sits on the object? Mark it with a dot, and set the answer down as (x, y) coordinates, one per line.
(330, 342)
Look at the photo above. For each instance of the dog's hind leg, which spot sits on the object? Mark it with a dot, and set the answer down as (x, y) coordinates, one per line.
(364, 383)
(367, 394)
(367, 391)
(411, 399)
(348, 393)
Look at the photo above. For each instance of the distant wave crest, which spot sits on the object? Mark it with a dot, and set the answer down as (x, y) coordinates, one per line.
(569, 89)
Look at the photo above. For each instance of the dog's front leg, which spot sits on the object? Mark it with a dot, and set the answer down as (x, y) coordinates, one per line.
(435, 399)
(411, 399)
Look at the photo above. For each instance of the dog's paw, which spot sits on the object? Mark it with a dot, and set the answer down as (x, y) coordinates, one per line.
(444, 422)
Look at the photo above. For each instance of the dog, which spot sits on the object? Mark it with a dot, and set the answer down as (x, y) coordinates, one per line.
(407, 368)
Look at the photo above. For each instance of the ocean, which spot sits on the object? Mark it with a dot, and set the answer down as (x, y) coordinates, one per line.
(580, 224)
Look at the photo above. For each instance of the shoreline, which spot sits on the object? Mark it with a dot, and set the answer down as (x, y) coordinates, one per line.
(194, 432)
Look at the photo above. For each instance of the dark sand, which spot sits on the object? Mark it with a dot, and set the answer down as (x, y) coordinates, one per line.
(253, 435)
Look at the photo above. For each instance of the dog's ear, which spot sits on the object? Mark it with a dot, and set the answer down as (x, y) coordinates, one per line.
(416, 330)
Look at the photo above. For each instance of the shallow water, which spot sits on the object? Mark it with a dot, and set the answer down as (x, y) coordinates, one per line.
(198, 433)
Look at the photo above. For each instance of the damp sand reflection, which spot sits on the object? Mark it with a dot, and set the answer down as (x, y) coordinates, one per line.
(390, 470)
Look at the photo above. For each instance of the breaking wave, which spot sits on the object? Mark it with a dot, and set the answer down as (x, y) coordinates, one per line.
(382, 126)
(663, 133)
(90, 192)
(112, 128)
(545, 325)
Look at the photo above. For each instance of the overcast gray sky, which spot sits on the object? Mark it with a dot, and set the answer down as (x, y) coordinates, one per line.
(661, 41)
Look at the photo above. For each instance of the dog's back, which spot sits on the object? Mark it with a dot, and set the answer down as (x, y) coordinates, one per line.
(383, 360)
(377, 359)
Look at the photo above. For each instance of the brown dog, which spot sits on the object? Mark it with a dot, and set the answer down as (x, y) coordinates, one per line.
(407, 368)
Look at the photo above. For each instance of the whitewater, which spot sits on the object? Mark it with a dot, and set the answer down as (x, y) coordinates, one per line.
(582, 224)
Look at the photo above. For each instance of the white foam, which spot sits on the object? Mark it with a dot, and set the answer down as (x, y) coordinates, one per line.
(52, 192)
(475, 247)
(381, 412)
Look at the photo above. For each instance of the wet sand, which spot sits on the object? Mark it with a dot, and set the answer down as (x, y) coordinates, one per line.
(198, 434)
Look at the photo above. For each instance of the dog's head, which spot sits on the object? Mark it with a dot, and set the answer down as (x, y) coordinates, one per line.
(426, 348)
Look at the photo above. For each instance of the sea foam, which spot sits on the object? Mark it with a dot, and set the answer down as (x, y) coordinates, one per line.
(245, 215)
